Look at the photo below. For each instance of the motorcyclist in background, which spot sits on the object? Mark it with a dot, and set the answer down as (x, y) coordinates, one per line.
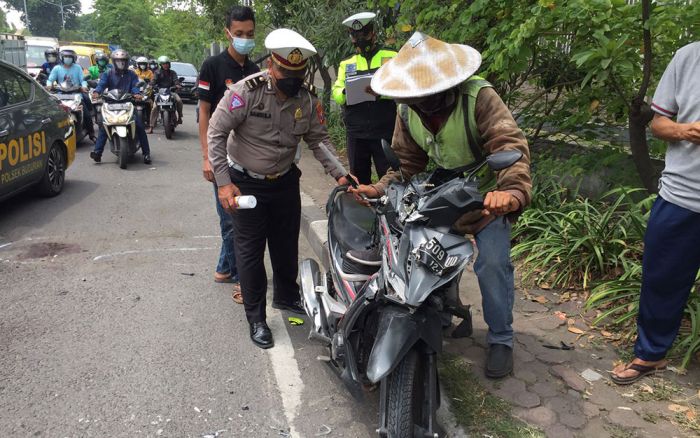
(166, 78)
(102, 66)
(69, 70)
(51, 56)
(146, 75)
(153, 66)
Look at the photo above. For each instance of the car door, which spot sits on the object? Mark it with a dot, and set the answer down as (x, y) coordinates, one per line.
(23, 148)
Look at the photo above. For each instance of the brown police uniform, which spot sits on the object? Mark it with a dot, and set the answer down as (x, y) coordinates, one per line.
(253, 142)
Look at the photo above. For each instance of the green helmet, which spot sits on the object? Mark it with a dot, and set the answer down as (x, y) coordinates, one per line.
(163, 60)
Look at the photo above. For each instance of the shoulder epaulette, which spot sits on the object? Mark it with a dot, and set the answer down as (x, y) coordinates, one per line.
(255, 82)
(311, 87)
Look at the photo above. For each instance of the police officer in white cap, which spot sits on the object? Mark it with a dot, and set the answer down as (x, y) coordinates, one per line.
(253, 139)
(369, 121)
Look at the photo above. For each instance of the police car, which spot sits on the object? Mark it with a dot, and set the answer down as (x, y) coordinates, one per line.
(37, 137)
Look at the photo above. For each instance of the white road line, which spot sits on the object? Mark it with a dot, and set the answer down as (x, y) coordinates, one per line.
(285, 367)
(142, 251)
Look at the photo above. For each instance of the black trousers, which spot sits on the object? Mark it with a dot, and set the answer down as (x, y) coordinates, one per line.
(274, 221)
(361, 152)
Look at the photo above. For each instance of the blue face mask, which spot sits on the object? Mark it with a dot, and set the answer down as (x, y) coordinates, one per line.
(68, 61)
(242, 45)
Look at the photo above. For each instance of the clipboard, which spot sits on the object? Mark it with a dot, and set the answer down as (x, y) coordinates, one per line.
(355, 87)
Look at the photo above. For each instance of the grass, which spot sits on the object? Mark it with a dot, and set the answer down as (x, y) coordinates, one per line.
(661, 390)
(475, 409)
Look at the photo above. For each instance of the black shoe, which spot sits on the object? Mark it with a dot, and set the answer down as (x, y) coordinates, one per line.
(92, 138)
(261, 335)
(179, 120)
(95, 156)
(295, 307)
(499, 362)
(147, 159)
(370, 257)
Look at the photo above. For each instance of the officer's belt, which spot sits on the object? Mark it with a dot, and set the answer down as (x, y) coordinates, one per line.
(232, 164)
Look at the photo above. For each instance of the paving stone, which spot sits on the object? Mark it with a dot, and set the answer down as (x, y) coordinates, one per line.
(525, 375)
(527, 399)
(520, 355)
(532, 307)
(574, 394)
(571, 308)
(545, 389)
(558, 431)
(591, 410)
(591, 375)
(625, 418)
(475, 354)
(554, 356)
(570, 377)
(549, 323)
(575, 420)
(514, 391)
(562, 404)
(540, 416)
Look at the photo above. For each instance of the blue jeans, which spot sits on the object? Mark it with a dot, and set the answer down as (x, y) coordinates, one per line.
(670, 265)
(494, 271)
(227, 256)
(140, 133)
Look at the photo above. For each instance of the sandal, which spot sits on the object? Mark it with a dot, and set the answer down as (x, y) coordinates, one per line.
(237, 295)
(642, 370)
(223, 278)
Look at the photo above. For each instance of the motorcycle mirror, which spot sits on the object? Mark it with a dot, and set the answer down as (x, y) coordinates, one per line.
(181, 79)
(504, 159)
(390, 155)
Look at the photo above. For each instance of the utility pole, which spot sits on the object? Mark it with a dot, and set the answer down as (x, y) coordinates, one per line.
(26, 14)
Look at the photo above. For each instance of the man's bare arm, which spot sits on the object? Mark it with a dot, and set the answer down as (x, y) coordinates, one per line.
(666, 129)
(204, 114)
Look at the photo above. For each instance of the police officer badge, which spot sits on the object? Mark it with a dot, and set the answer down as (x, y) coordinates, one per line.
(356, 25)
(295, 56)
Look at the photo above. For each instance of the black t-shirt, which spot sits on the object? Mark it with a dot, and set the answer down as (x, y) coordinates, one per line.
(217, 73)
(165, 78)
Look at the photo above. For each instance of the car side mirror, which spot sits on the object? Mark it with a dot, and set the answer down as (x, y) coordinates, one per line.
(504, 159)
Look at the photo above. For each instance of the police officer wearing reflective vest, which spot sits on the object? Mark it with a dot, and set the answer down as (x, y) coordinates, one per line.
(253, 139)
(449, 116)
(366, 122)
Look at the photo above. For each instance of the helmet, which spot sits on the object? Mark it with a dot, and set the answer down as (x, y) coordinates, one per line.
(142, 62)
(163, 60)
(68, 53)
(102, 57)
(49, 52)
(120, 59)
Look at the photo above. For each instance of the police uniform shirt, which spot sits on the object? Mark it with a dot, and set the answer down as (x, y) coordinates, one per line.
(220, 72)
(267, 131)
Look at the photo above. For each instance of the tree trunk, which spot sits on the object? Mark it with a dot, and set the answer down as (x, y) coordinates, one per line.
(327, 82)
(640, 114)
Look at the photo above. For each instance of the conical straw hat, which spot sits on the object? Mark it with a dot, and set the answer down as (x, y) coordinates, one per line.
(425, 66)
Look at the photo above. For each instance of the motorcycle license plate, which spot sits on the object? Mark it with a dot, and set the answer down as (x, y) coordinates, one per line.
(433, 256)
(119, 106)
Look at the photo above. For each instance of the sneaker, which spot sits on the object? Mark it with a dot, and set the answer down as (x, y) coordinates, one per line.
(370, 257)
(95, 156)
(147, 159)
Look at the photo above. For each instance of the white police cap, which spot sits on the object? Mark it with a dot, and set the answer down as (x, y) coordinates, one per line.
(359, 20)
(289, 49)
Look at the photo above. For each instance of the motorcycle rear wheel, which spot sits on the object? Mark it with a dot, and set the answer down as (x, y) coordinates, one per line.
(123, 147)
(406, 393)
(168, 125)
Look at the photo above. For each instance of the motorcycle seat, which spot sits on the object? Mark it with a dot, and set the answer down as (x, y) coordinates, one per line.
(351, 223)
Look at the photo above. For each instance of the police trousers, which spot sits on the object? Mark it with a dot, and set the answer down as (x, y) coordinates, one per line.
(274, 222)
(361, 152)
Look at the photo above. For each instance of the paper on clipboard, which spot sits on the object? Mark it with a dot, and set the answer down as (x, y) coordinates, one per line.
(355, 87)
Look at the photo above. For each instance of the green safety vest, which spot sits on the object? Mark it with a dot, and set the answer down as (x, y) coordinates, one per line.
(357, 64)
(458, 143)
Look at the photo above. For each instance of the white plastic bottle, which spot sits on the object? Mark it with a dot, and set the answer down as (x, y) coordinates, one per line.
(246, 202)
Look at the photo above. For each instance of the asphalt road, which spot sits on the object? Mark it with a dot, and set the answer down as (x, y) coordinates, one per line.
(111, 324)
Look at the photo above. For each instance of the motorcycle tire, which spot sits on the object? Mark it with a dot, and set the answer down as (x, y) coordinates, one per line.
(123, 147)
(406, 394)
(168, 125)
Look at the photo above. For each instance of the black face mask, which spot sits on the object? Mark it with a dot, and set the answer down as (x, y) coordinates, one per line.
(435, 104)
(364, 45)
(290, 86)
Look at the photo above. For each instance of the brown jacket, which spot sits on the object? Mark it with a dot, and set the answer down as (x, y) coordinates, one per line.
(499, 131)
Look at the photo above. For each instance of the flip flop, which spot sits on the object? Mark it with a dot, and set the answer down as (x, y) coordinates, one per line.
(237, 295)
(643, 370)
(223, 278)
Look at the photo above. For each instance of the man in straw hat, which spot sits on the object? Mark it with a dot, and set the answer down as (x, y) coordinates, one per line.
(447, 115)
(370, 120)
(253, 140)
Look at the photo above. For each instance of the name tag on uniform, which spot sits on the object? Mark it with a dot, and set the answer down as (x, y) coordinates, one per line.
(261, 114)
(350, 68)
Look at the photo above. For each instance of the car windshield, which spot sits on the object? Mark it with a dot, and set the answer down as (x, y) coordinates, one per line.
(35, 55)
(84, 61)
(183, 69)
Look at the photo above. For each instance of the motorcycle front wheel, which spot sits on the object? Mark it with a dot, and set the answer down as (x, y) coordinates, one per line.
(407, 396)
(168, 125)
(123, 148)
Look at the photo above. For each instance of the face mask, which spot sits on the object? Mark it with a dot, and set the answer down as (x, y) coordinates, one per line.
(290, 86)
(364, 45)
(68, 61)
(153, 66)
(51, 59)
(101, 63)
(434, 104)
(120, 65)
(142, 66)
(243, 45)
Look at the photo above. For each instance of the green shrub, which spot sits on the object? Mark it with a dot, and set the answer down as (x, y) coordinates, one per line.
(336, 128)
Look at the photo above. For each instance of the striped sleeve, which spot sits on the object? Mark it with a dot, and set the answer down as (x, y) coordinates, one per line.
(665, 102)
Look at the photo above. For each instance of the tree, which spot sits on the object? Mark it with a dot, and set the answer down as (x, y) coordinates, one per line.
(45, 15)
(183, 33)
(129, 23)
(568, 66)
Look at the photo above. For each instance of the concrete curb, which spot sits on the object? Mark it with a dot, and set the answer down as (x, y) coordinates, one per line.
(314, 226)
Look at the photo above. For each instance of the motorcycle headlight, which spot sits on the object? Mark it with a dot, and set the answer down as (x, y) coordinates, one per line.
(119, 117)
